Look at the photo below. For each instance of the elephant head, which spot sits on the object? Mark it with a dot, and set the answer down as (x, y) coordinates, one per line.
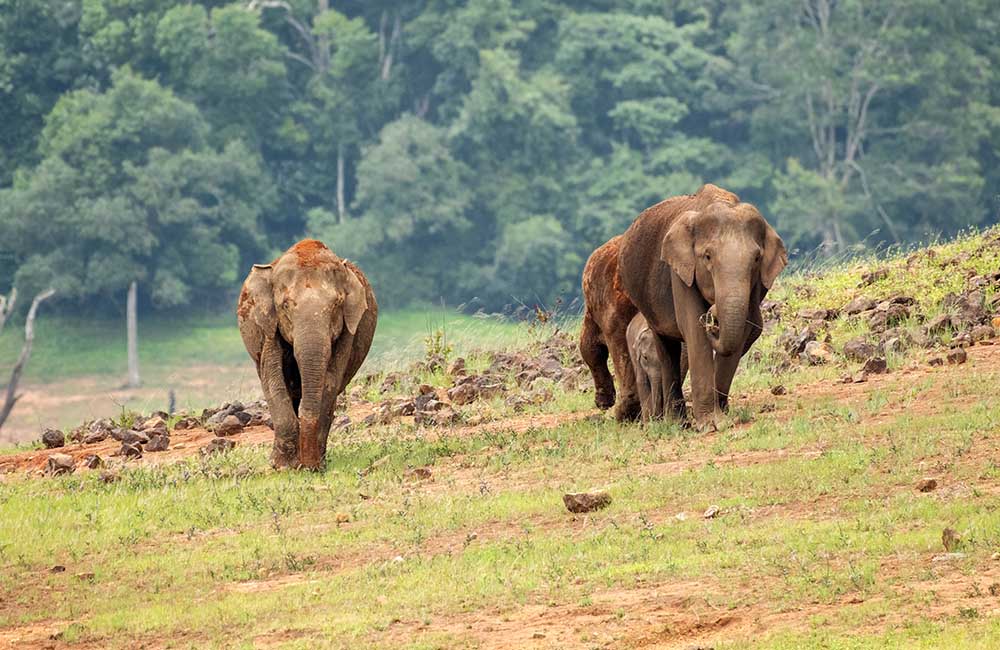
(305, 307)
(728, 252)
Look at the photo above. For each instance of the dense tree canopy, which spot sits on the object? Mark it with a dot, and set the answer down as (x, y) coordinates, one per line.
(472, 151)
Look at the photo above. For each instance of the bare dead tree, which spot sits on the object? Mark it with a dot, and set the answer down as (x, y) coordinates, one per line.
(132, 334)
(7, 307)
(29, 338)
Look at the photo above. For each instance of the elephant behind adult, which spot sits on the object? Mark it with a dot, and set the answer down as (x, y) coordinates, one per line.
(307, 320)
(697, 267)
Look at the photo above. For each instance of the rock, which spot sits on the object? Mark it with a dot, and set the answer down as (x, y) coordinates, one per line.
(893, 345)
(57, 568)
(982, 333)
(230, 426)
(85, 576)
(60, 464)
(818, 314)
(433, 363)
(518, 402)
(859, 305)
(109, 476)
(794, 342)
(404, 406)
(586, 501)
(425, 389)
(711, 513)
(95, 437)
(420, 473)
(859, 377)
(245, 417)
(53, 438)
(817, 353)
(217, 446)
(935, 361)
(457, 367)
(130, 450)
(340, 424)
(873, 276)
(939, 324)
(425, 402)
(948, 557)
(995, 322)
(463, 394)
(129, 436)
(155, 423)
(342, 518)
(187, 423)
(858, 349)
(92, 461)
(875, 366)
(779, 390)
(957, 356)
(951, 540)
(926, 485)
(158, 442)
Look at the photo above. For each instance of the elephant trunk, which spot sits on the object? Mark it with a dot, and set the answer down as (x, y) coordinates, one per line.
(731, 307)
(312, 354)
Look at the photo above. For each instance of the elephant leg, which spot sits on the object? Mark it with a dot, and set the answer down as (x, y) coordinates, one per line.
(672, 379)
(701, 357)
(628, 408)
(286, 423)
(595, 355)
(643, 386)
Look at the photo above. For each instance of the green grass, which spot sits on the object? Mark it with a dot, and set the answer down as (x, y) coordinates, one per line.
(821, 541)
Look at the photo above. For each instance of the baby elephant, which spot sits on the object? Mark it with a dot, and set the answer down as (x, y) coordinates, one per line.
(648, 357)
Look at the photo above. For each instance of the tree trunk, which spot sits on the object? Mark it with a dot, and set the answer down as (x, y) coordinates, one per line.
(132, 332)
(29, 338)
(340, 183)
(7, 307)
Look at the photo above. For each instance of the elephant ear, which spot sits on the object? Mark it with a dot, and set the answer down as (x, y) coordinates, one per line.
(258, 321)
(355, 300)
(774, 257)
(677, 248)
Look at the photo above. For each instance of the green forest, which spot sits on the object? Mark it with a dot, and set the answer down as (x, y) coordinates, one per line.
(471, 152)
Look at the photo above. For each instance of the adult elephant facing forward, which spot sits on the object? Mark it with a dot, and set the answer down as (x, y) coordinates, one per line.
(697, 267)
(307, 320)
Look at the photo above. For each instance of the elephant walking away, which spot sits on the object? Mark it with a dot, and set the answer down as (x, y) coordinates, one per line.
(697, 267)
(307, 319)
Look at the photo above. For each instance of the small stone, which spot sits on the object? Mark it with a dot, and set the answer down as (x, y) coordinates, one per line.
(129, 436)
(60, 464)
(858, 349)
(938, 324)
(681, 516)
(711, 513)
(95, 437)
(817, 314)
(995, 556)
(951, 539)
(457, 367)
(53, 438)
(463, 394)
(926, 485)
(57, 568)
(948, 557)
(85, 576)
(421, 473)
(859, 305)
(859, 377)
(425, 389)
(586, 501)
(187, 423)
(155, 423)
(935, 361)
(130, 450)
(779, 390)
(109, 476)
(995, 322)
(92, 461)
(871, 277)
(217, 446)
(230, 426)
(817, 353)
(398, 559)
(982, 333)
(537, 635)
(957, 356)
(342, 518)
(875, 366)
(158, 442)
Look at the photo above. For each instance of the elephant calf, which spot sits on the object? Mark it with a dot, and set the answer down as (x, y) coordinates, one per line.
(648, 360)
(307, 319)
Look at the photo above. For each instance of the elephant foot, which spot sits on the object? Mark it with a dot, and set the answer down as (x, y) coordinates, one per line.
(284, 455)
(629, 409)
(708, 423)
(604, 400)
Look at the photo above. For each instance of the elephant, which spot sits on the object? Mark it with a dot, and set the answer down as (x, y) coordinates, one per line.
(697, 268)
(307, 319)
(607, 314)
(648, 355)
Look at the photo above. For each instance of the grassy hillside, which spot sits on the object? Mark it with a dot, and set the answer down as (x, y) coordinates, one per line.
(806, 521)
